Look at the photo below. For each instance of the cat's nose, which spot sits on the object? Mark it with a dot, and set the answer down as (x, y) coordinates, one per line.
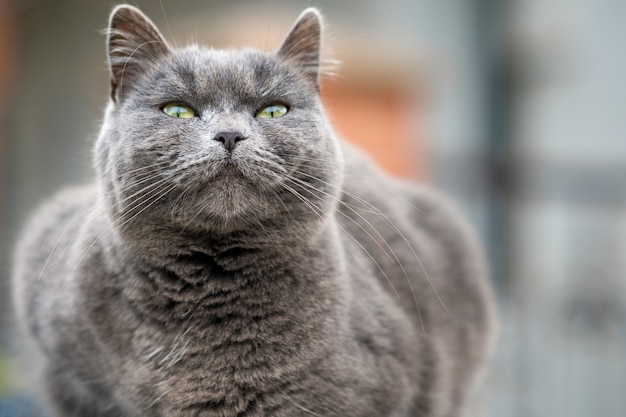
(229, 139)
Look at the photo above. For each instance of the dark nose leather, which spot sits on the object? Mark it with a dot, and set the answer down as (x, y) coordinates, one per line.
(229, 139)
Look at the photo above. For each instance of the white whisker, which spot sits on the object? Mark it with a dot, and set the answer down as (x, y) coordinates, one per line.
(306, 410)
(396, 230)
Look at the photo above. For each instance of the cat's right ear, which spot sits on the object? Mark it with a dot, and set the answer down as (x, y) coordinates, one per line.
(303, 44)
(133, 44)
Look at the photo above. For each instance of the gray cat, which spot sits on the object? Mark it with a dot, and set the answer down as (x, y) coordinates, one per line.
(234, 258)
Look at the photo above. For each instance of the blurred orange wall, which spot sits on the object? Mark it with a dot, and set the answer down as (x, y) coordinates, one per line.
(383, 122)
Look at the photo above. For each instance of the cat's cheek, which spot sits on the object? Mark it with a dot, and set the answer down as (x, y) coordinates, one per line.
(280, 135)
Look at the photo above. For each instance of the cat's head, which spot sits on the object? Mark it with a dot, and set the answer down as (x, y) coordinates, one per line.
(215, 139)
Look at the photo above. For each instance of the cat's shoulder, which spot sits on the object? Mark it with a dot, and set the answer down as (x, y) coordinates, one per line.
(57, 213)
(362, 175)
(66, 201)
(418, 203)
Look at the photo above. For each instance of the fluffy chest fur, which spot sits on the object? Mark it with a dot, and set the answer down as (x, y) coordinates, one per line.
(229, 330)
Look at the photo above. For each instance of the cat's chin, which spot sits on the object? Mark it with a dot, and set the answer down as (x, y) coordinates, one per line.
(230, 185)
(227, 200)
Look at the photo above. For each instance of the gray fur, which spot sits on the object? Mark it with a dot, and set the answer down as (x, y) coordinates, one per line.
(289, 277)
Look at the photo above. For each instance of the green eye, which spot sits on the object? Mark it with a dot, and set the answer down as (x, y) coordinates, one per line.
(180, 111)
(271, 112)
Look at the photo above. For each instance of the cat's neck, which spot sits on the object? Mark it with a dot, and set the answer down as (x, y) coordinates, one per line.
(178, 275)
(198, 279)
(158, 244)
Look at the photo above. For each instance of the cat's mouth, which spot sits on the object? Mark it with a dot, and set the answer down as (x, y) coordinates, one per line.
(211, 170)
(229, 176)
(230, 170)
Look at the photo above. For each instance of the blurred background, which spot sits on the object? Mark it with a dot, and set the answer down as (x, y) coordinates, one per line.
(515, 107)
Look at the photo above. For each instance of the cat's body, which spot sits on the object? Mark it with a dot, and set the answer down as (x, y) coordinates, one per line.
(230, 265)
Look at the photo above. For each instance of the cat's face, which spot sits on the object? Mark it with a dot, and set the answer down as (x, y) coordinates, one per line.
(215, 139)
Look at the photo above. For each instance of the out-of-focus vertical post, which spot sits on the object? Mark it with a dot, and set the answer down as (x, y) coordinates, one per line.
(6, 73)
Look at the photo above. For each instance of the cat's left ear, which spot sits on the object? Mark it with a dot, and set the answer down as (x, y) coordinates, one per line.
(133, 44)
(302, 46)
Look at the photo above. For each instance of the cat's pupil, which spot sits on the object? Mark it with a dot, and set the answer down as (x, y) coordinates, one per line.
(272, 112)
(178, 111)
